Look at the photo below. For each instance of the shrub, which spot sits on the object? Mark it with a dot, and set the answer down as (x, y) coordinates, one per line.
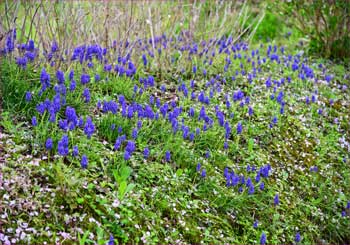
(325, 22)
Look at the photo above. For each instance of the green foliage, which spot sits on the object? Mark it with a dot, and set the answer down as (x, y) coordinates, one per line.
(325, 22)
(13, 85)
(269, 27)
(152, 201)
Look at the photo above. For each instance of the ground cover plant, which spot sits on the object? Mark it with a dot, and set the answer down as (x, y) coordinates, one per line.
(173, 138)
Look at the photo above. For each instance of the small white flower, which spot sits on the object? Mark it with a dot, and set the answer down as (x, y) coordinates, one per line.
(116, 203)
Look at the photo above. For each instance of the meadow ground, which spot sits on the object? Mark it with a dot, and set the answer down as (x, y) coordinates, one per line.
(173, 139)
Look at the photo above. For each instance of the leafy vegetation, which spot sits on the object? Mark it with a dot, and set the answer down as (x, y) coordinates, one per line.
(326, 23)
(175, 139)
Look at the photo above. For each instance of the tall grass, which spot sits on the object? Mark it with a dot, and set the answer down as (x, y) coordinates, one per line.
(112, 23)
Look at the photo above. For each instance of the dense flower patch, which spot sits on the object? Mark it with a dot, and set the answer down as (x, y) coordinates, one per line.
(233, 118)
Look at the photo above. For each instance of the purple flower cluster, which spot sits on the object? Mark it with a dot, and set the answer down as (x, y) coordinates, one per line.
(63, 146)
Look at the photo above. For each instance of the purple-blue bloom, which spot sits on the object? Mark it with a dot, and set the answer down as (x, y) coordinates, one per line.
(204, 173)
(72, 85)
(239, 128)
(49, 144)
(62, 146)
(111, 240)
(118, 143)
(71, 75)
(263, 238)
(84, 79)
(262, 186)
(130, 147)
(84, 162)
(28, 96)
(86, 94)
(127, 155)
(250, 111)
(207, 154)
(71, 115)
(60, 76)
(89, 127)
(251, 189)
(167, 156)
(297, 237)
(146, 153)
(44, 79)
(134, 133)
(75, 152)
(276, 200)
(34, 121)
(198, 167)
(225, 145)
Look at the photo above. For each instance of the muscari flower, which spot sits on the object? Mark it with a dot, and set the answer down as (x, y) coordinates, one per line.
(60, 76)
(28, 96)
(89, 127)
(86, 94)
(72, 85)
(257, 177)
(297, 237)
(191, 137)
(250, 111)
(34, 121)
(167, 156)
(111, 240)
(127, 155)
(130, 147)
(49, 144)
(134, 133)
(194, 69)
(44, 79)
(263, 238)
(274, 120)
(22, 62)
(54, 47)
(204, 173)
(262, 186)
(282, 110)
(84, 79)
(84, 162)
(207, 154)
(251, 189)
(63, 124)
(144, 59)
(62, 146)
(146, 153)
(276, 200)
(118, 143)
(198, 167)
(71, 75)
(75, 151)
(255, 225)
(313, 98)
(191, 112)
(71, 115)
(239, 128)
